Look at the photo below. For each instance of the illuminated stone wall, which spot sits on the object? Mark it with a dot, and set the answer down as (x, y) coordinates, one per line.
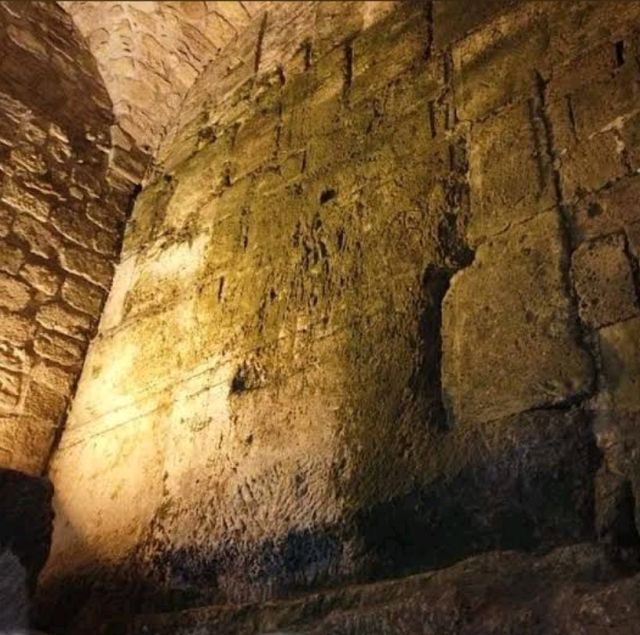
(62, 206)
(371, 303)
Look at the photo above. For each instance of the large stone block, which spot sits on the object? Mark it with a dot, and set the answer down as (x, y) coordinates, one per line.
(505, 48)
(509, 330)
(620, 351)
(510, 172)
(608, 211)
(603, 279)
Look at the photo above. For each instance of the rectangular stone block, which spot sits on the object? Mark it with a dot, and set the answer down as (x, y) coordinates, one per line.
(509, 337)
(507, 48)
(83, 296)
(41, 277)
(510, 172)
(56, 317)
(14, 295)
(23, 201)
(11, 257)
(87, 264)
(611, 210)
(15, 328)
(57, 348)
(604, 282)
(620, 352)
(41, 240)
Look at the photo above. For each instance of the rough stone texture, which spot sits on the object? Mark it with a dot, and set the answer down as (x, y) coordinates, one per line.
(509, 336)
(569, 591)
(604, 281)
(345, 338)
(149, 53)
(14, 604)
(55, 119)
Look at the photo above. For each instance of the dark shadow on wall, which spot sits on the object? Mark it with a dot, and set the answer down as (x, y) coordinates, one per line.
(532, 490)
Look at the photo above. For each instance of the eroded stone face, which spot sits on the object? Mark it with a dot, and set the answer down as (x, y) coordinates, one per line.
(349, 232)
(509, 334)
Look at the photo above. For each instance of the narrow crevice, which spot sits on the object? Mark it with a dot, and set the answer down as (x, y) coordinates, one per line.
(259, 43)
(428, 10)
(581, 331)
(348, 68)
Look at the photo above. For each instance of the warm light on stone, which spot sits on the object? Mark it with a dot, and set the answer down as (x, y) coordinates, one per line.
(300, 299)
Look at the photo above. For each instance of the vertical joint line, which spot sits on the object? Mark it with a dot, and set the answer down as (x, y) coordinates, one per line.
(348, 67)
(263, 29)
(428, 10)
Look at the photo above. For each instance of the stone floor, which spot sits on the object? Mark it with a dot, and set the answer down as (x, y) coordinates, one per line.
(582, 589)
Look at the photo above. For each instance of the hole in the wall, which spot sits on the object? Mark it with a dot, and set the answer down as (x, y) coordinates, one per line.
(327, 195)
(220, 289)
(619, 48)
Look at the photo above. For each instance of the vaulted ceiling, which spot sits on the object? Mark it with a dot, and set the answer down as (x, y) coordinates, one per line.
(149, 53)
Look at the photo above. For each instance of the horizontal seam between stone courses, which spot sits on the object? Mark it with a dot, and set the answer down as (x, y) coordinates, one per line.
(126, 323)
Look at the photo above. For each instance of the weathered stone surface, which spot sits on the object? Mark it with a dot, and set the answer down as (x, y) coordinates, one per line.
(14, 295)
(611, 210)
(272, 347)
(55, 122)
(510, 173)
(83, 296)
(571, 590)
(57, 317)
(603, 279)
(509, 337)
(620, 350)
(63, 350)
(11, 258)
(41, 277)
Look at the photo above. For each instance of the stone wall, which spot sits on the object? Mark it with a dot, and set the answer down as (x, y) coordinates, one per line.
(372, 302)
(62, 205)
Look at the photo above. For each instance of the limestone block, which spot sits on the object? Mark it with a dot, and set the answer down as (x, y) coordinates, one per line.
(87, 264)
(41, 240)
(82, 295)
(506, 47)
(15, 328)
(590, 165)
(11, 257)
(510, 175)
(620, 351)
(604, 281)
(509, 343)
(41, 277)
(14, 295)
(56, 317)
(453, 19)
(62, 350)
(613, 209)
(23, 201)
